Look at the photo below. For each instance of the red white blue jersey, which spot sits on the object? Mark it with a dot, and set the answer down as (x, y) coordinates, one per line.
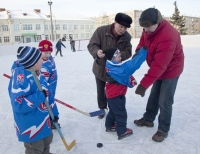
(49, 71)
(31, 116)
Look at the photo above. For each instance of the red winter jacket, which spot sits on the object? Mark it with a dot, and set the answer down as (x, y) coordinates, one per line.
(114, 90)
(165, 54)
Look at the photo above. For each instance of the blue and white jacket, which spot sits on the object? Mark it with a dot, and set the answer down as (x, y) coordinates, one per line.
(31, 116)
(15, 65)
(49, 71)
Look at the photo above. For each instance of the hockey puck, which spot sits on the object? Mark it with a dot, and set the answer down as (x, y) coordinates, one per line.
(99, 145)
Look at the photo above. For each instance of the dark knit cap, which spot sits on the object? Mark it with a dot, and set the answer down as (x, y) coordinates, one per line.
(123, 19)
(28, 56)
(149, 17)
(111, 53)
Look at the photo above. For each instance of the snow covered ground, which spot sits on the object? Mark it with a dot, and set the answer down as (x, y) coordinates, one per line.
(77, 87)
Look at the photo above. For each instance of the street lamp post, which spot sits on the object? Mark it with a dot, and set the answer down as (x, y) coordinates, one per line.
(50, 3)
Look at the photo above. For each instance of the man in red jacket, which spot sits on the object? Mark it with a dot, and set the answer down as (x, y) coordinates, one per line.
(165, 59)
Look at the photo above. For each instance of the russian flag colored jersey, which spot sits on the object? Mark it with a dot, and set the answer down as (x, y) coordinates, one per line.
(31, 116)
(122, 72)
(49, 71)
(119, 75)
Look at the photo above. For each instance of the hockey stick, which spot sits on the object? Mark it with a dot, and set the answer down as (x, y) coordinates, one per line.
(68, 147)
(90, 114)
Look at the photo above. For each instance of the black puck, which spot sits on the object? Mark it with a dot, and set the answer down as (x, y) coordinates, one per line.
(99, 145)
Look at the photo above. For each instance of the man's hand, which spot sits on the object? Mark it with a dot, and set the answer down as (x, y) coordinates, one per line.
(100, 54)
(140, 90)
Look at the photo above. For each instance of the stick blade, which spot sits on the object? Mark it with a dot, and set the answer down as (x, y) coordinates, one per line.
(69, 147)
(97, 113)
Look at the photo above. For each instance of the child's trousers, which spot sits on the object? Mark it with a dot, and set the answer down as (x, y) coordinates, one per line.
(117, 113)
(39, 147)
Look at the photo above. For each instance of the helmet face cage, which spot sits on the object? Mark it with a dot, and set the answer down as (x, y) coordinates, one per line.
(115, 54)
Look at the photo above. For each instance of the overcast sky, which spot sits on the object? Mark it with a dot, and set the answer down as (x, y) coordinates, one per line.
(91, 8)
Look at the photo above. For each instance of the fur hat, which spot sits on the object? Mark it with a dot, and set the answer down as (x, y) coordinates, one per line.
(28, 56)
(45, 46)
(149, 17)
(111, 53)
(123, 19)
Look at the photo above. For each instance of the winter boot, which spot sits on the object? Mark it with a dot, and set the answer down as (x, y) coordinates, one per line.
(111, 129)
(126, 134)
(142, 122)
(159, 136)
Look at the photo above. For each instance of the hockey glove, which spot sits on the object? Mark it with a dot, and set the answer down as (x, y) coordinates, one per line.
(46, 93)
(140, 90)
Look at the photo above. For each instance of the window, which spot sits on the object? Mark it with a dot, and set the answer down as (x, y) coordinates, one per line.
(65, 36)
(57, 27)
(70, 27)
(38, 37)
(37, 27)
(50, 27)
(57, 36)
(47, 37)
(75, 27)
(5, 27)
(0, 40)
(75, 36)
(17, 38)
(45, 27)
(91, 26)
(87, 35)
(82, 26)
(86, 26)
(6, 39)
(16, 27)
(27, 27)
(64, 27)
(82, 36)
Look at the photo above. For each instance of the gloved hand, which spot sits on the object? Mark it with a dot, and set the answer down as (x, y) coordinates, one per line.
(136, 52)
(46, 93)
(140, 90)
(133, 82)
(55, 119)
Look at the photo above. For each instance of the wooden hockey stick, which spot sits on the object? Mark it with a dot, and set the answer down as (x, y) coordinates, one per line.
(68, 147)
(89, 114)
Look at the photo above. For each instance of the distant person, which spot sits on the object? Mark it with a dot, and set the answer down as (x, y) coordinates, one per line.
(109, 36)
(50, 73)
(72, 44)
(165, 59)
(118, 78)
(58, 47)
(63, 38)
(31, 117)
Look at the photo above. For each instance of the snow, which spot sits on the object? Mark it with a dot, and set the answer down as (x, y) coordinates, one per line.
(31, 14)
(77, 87)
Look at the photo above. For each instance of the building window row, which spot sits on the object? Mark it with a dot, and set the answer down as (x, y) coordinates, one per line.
(38, 27)
(27, 27)
(6, 39)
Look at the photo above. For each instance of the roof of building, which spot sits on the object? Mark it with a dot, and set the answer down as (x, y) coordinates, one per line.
(3, 15)
(32, 14)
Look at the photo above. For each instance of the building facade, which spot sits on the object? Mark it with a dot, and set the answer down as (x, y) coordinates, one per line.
(135, 30)
(33, 26)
